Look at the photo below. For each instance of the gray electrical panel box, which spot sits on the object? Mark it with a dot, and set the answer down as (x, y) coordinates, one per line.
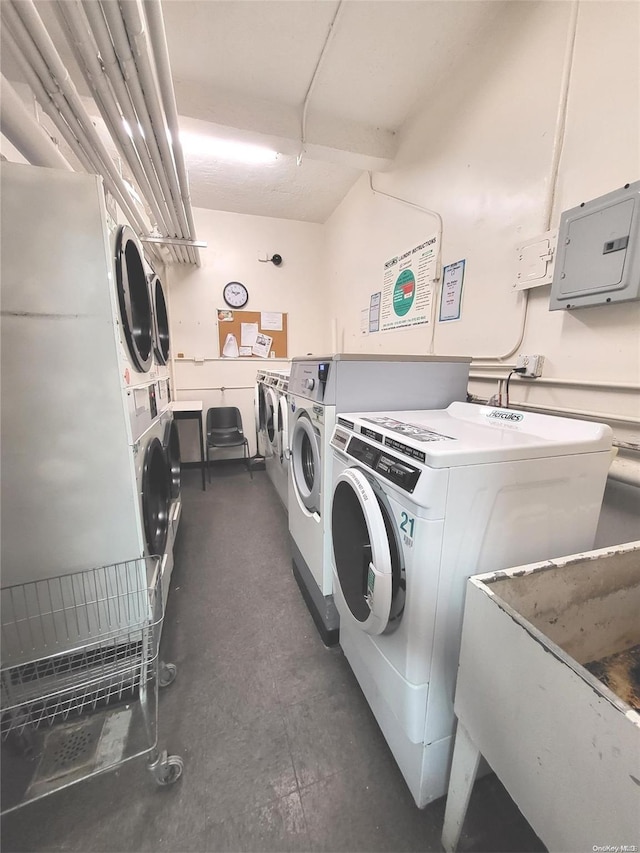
(598, 255)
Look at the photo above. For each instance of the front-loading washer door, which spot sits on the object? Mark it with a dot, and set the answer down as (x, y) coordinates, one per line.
(306, 462)
(365, 551)
(156, 497)
(134, 300)
(271, 425)
(283, 429)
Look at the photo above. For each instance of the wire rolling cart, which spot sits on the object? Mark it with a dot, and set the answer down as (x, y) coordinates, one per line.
(79, 679)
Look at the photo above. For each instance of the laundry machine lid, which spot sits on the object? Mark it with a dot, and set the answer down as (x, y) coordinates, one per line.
(134, 300)
(306, 463)
(362, 551)
(469, 434)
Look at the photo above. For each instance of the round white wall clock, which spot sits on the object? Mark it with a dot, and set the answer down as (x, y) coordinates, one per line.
(235, 294)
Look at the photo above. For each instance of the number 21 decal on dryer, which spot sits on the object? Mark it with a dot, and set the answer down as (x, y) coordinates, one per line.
(407, 525)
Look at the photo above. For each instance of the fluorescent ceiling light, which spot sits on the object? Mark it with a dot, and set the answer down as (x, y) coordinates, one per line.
(226, 149)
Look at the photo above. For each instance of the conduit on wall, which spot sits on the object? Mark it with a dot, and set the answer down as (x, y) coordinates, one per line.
(125, 64)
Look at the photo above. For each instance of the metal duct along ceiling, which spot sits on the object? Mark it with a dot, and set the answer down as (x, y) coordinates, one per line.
(122, 53)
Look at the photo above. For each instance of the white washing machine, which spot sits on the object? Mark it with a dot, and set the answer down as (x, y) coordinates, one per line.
(71, 491)
(421, 500)
(319, 389)
(276, 430)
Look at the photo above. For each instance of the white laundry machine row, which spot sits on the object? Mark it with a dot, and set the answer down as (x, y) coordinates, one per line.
(276, 386)
(421, 501)
(319, 389)
(85, 475)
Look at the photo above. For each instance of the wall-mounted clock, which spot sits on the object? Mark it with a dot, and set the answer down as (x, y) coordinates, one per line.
(235, 294)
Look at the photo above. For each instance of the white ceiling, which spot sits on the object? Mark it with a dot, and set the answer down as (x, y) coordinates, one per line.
(242, 68)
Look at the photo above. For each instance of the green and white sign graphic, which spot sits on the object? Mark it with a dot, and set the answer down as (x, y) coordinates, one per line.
(404, 293)
(407, 290)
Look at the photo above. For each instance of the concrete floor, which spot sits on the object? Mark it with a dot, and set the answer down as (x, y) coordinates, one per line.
(281, 750)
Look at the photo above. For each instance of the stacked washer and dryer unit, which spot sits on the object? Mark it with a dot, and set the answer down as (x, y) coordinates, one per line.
(85, 417)
(420, 501)
(319, 390)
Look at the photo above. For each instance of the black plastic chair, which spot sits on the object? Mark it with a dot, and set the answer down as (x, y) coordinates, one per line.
(224, 429)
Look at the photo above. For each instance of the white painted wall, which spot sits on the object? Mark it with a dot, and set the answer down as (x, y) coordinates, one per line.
(480, 154)
(235, 242)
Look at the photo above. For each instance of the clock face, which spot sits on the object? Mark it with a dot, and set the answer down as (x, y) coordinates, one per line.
(235, 294)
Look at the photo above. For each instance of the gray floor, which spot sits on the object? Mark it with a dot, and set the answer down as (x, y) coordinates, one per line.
(281, 750)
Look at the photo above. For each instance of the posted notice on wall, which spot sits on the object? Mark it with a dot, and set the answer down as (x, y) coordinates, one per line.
(374, 312)
(262, 345)
(407, 286)
(451, 297)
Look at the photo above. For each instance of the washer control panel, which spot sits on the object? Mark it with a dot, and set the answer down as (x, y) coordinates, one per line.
(390, 467)
(308, 379)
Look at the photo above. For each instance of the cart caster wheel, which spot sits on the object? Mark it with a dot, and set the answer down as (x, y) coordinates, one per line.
(167, 674)
(170, 770)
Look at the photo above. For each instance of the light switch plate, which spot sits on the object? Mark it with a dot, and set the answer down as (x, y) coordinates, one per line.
(535, 261)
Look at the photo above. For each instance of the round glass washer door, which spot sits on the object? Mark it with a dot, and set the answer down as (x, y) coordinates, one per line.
(272, 413)
(365, 551)
(134, 300)
(306, 462)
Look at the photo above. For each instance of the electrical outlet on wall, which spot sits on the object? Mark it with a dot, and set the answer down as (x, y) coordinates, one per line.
(532, 364)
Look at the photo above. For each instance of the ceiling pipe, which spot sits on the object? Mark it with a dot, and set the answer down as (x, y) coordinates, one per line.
(133, 15)
(24, 132)
(141, 98)
(161, 52)
(115, 76)
(31, 39)
(45, 100)
(81, 39)
(112, 15)
(307, 97)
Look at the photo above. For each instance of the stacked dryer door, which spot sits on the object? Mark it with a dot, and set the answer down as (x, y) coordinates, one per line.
(84, 481)
(135, 316)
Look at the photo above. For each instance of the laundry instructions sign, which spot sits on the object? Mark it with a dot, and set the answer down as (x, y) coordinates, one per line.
(407, 286)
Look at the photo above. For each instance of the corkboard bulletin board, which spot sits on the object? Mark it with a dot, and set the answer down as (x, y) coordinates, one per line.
(233, 326)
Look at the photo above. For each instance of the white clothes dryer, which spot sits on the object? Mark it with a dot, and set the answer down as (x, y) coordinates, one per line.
(319, 389)
(420, 501)
(71, 489)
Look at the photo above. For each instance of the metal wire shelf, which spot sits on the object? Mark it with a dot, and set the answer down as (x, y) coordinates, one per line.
(81, 650)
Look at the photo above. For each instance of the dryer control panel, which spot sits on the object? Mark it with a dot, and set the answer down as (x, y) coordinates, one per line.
(393, 469)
